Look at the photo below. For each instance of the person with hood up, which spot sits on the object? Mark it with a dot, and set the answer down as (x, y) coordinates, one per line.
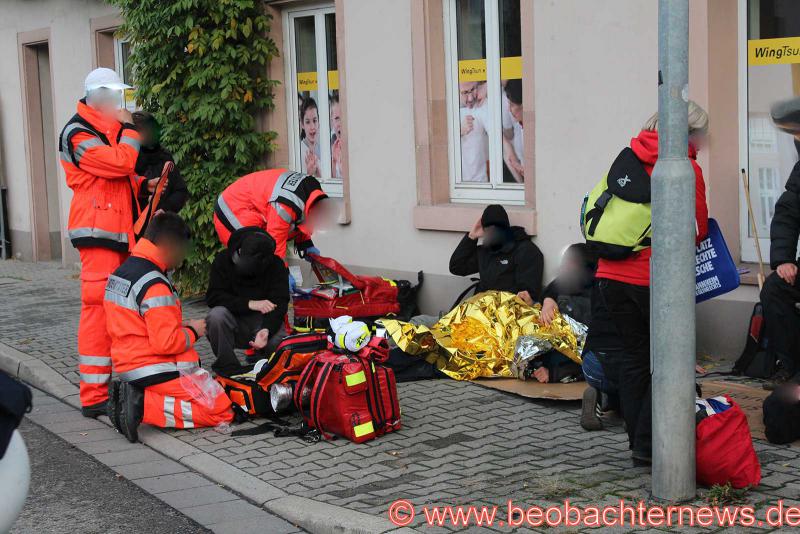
(150, 163)
(781, 293)
(624, 285)
(248, 293)
(506, 259)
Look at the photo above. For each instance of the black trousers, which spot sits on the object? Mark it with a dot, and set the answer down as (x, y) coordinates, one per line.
(629, 306)
(227, 332)
(782, 321)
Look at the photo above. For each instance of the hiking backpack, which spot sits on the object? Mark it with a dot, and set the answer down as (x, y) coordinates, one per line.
(350, 394)
(615, 216)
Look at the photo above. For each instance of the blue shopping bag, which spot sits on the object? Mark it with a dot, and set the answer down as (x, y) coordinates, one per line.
(715, 271)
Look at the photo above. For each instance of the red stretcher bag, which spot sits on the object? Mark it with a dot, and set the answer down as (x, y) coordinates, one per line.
(725, 450)
(371, 297)
(350, 395)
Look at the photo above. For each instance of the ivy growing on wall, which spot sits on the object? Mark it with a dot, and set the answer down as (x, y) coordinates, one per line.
(200, 67)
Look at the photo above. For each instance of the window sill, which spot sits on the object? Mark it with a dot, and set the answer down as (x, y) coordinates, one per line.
(452, 217)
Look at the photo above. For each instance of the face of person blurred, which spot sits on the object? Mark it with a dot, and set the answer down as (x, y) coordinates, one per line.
(468, 94)
(174, 252)
(311, 125)
(147, 135)
(572, 271)
(516, 111)
(321, 216)
(481, 93)
(699, 140)
(108, 103)
(336, 119)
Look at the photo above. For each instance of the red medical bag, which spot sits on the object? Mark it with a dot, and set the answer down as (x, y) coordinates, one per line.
(350, 395)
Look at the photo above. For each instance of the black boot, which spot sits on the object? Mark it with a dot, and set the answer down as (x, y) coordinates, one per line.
(95, 410)
(590, 419)
(131, 410)
(113, 402)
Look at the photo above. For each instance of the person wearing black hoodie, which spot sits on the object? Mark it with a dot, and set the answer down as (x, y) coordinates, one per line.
(248, 293)
(150, 164)
(781, 292)
(507, 259)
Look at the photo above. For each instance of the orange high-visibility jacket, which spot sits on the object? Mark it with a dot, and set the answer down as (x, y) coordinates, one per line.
(149, 343)
(275, 200)
(99, 157)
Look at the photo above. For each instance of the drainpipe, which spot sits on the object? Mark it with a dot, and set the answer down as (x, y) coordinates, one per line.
(672, 288)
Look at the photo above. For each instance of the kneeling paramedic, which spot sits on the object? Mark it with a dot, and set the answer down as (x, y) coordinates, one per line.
(160, 379)
(248, 293)
(288, 205)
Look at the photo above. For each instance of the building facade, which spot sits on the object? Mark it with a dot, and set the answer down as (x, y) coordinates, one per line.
(415, 114)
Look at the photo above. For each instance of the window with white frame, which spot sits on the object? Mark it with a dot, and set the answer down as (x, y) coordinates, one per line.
(315, 119)
(767, 76)
(484, 83)
(122, 53)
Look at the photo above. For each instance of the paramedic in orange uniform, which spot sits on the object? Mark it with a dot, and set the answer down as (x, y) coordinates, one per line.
(288, 205)
(98, 147)
(160, 379)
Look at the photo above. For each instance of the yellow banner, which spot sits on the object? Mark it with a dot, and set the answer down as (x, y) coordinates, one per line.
(307, 81)
(782, 51)
(474, 70)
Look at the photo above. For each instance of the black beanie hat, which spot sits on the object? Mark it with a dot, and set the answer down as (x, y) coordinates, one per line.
(495, 215)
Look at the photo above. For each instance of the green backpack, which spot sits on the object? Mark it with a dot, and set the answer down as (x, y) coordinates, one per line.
(615, 217)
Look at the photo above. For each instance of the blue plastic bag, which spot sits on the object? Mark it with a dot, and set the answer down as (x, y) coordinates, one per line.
(715, 271)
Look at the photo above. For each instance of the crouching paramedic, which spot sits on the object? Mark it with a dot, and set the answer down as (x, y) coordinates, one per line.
(161, 383)
(288, 205)
(99, 147)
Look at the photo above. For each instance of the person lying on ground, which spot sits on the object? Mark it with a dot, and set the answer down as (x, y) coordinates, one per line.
(150, 164)
(248, 293)
(152, 347)
(506, 259)
(781, 291)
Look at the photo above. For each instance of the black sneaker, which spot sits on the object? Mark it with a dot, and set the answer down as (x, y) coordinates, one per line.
(786, 116)
(131, 411)
(641, 458)
(113, 402)
(590, 420)
(94, 411)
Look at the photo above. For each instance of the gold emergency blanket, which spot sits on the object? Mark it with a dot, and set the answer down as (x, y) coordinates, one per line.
(476, 339)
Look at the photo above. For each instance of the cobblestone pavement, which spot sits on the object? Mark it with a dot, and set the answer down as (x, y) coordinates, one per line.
(460, 443)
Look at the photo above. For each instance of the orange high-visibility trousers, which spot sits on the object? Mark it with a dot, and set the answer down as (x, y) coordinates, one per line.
(169, 405)
(94, 343)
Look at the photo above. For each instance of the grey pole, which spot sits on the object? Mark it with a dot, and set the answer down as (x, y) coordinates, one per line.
(672, 318)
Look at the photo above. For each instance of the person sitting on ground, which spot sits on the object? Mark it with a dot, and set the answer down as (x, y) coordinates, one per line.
(248, 293)
(570, 294)
(150, 164)
(152, 347)
(506, 260)
(781, 292)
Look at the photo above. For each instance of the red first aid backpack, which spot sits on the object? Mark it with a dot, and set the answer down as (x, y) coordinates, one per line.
(725, 450)
(283, 367)
(350, 395)
(371, 297)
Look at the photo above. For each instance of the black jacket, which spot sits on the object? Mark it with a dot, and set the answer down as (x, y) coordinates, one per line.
(785, 227)
(226, 288)
(516, 266)
(149, 164)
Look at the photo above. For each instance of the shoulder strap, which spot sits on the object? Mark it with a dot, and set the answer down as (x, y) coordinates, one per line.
(316, 396)
(75, 125)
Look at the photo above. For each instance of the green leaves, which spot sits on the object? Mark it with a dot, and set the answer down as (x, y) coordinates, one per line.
(200, 67)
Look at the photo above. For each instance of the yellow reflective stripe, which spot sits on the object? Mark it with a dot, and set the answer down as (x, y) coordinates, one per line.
(355, 378)
(363, 429)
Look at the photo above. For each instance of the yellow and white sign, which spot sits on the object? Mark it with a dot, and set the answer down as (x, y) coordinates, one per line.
(782, 51)
(474, 70)
(307, 81)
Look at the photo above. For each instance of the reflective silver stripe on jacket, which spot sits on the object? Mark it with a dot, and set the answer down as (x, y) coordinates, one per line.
(227, 212)
(148, 370)
(169, 411)
(283, 213)
(147, 277)
(157, 302)
(188, 339)
(64, 149)
(186, 366)
(97, 233)
(98, 361)
(130, 141)
(128, 302)
(186, 414)
(83, 146)
(95, 378)
(280, 191)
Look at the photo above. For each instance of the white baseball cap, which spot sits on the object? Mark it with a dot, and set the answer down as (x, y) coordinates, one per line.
(106, 78)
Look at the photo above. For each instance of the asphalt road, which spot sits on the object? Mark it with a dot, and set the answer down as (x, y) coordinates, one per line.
(72, 492)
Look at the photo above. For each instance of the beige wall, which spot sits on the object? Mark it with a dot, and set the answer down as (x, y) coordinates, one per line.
(70, 61)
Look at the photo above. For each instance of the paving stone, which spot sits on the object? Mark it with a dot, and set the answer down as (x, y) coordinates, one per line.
(262, 525)
(160, 484)
(222, 512)
(197, 496)
(150, 469)
(128, 457)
